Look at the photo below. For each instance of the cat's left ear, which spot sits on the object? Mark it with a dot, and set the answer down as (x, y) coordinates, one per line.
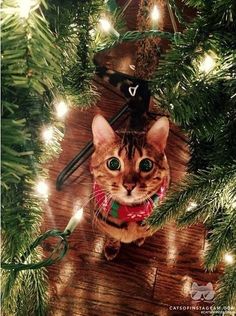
(158, 134)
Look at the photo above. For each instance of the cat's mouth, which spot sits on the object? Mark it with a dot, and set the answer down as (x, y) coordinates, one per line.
(129, 199)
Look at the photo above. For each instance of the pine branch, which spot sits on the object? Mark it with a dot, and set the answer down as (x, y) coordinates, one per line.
(204, 188)
(203, 103)
(177, 12)
(131, 36)
(29, 285)
(74, 24)
(226, 293)
(222, 239)
(31, 68)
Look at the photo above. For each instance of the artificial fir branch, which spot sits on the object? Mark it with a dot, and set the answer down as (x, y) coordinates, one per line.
(204, 188)
(222, 238)
(73, 23)
(226, 293)
(177, 11)
(132, 36)
(203, 103)
(30, 68)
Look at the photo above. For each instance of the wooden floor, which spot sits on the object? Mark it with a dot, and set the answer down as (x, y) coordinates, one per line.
(149, 280)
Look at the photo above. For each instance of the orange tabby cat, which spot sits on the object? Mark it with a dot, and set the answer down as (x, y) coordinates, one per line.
(129, 169)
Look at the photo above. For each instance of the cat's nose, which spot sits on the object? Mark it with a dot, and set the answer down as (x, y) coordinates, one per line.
(129, 186)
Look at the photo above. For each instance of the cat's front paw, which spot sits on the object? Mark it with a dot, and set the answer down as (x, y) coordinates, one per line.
(111, 248)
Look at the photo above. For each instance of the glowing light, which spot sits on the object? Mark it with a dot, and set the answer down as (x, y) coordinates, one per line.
(75, 219)
(191, 206)
(228, 258)
(79, 214)
(155, 14)
(61, 109)
(105, 25)
(186, 288)
(42, 188)
(47, 134)
(207, 64)
(25, 6)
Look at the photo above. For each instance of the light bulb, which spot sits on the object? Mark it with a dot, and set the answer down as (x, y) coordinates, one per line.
(191, 206)
(155, 13)
(79, 214)
(25, 7)
(105, 25)
(75, 219)
(42, 188)
(228, 258)
(61, 109)
(207, 64)
(47, 134)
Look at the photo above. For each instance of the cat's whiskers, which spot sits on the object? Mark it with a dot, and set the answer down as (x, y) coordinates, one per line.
(98, 210)
(99, 193)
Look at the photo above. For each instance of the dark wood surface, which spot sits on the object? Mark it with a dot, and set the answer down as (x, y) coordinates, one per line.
(149, 280)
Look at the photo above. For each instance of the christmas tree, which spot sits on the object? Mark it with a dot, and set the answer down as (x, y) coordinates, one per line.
(196, 83)
(47, 66)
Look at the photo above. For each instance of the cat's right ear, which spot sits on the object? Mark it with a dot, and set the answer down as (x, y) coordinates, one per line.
(102, 131)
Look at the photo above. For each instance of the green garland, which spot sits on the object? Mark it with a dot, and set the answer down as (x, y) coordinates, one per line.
(132, 36)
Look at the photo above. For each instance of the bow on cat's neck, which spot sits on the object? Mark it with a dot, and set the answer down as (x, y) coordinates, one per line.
(129, 213)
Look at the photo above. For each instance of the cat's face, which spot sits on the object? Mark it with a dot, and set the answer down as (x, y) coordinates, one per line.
(130, 167)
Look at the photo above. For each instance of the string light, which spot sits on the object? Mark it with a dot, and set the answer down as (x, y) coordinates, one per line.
(207, 64)
(155, 14)
(191, 206)
(47, 134)
(42, 188)
(107, 27)
(75, 219)
(61, 109)
(25, 6)
(228, 258)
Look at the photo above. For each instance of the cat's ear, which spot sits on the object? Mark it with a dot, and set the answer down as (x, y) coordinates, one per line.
(158, 133)
(102, 131)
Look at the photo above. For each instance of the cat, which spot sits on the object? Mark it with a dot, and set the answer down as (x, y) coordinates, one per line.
(131, 174)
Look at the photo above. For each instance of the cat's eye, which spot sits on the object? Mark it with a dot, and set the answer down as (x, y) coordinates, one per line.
(113, 163)
(146, 165)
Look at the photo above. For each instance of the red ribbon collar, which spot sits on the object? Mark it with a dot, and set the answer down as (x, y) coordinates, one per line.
(129, 213)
